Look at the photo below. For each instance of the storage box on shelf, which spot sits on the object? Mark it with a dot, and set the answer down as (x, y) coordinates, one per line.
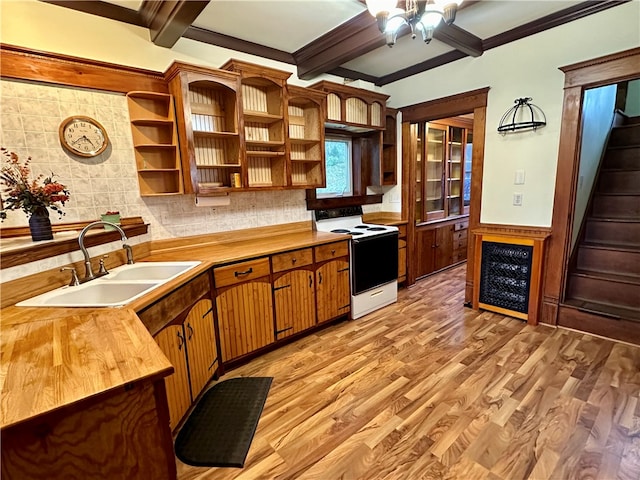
(155, 143)
(208, 126)
(306, 136)
(264, 118)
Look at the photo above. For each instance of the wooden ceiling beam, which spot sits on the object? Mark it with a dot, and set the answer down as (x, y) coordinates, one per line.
(169, 20)
(353, 38)
(459, 39)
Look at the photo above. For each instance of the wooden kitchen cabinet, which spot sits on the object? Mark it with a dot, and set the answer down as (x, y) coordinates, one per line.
(244, 307)
(306, 136)
(208, 126)
(402, 253)
(294, 292)
(263, 115)
(172, 343)
(440, 245)
(202, 351)
(155, 143)
(358, 109)
(389, 159)
(442, 168)
(191, 349)
(333, 294)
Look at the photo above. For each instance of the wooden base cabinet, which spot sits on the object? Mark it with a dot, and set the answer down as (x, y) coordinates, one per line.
(244, 306)
(440, 245)
(191, 349)
(294, 292)
(171, 342)
(333, 295)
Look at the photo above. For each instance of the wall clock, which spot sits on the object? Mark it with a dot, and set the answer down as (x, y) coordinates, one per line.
(83, 136)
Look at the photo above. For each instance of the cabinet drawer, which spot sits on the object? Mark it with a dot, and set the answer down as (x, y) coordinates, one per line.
(461, 225)
(331, 250)
(460, 235)
(402, 230)
(460, 244)
(241, 272)
(289, 260)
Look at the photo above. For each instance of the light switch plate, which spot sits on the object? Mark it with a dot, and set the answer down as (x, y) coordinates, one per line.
(519, 177)
(517, 199)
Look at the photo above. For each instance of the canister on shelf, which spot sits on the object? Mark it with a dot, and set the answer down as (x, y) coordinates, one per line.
(235, 180)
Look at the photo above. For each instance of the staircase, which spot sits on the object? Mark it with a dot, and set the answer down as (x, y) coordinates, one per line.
(605, 279)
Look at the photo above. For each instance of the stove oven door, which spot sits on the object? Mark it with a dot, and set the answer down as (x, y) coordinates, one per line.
(374, 261)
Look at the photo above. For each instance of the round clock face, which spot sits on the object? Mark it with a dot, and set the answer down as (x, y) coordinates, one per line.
(83, 136)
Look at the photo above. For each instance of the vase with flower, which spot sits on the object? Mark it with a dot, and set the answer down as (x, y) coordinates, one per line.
(34, 196)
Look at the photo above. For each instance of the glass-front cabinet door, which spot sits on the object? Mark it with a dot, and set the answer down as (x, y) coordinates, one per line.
(443, 170)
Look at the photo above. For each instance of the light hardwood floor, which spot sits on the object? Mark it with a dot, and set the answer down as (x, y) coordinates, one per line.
(426, 388)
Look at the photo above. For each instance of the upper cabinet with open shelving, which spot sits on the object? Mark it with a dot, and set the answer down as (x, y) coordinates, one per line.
(155, 143)
(306, 136)
(208, 122)
(263, 114)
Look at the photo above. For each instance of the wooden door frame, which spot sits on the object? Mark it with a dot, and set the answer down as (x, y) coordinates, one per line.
(579, 77)
(473, 101)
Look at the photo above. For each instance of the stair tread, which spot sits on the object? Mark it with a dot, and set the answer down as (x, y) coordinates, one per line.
(607, 276)
(608, 246)
(593, 218)
(604, 308)
(623, 147)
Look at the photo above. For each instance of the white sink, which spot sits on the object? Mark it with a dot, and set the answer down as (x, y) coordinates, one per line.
(150, 271)
(121, 286)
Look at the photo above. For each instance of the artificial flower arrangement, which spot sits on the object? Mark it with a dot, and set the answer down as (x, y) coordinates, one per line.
(31, 195)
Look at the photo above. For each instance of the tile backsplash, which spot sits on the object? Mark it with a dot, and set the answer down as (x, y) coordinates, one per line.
(30, 117)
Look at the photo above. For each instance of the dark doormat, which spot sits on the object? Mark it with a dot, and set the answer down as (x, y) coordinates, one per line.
(219, 431)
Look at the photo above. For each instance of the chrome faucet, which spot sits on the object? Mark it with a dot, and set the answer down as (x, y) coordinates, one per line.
(88, 272)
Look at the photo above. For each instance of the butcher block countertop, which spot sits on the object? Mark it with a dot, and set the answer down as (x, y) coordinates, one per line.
(53, 358)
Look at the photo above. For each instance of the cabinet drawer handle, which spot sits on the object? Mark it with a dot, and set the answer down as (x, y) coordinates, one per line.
(319, 277)
(310, 281)
(246, 272)
(180, 340)
(190, 328)
(280, 288)
(333, 252)
(294, 260)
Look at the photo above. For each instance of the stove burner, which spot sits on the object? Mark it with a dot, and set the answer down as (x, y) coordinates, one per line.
(340, 230)
(357, 233)
(366, 227)
(376, 229)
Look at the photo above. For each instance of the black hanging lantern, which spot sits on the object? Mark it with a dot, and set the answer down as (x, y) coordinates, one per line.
(522, 116)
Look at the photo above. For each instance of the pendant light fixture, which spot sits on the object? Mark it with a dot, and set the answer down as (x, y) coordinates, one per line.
(423, 16)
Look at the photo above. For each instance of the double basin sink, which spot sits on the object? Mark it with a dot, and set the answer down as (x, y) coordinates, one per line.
(120, 286)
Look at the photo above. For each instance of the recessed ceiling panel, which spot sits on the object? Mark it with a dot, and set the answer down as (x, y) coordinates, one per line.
(286, 25)
(488, 18)
(405, 53)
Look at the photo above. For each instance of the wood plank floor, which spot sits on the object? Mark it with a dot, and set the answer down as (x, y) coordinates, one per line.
(428, 389)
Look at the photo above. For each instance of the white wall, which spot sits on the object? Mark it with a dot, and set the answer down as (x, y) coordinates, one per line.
(632, 107)
(526, 68)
